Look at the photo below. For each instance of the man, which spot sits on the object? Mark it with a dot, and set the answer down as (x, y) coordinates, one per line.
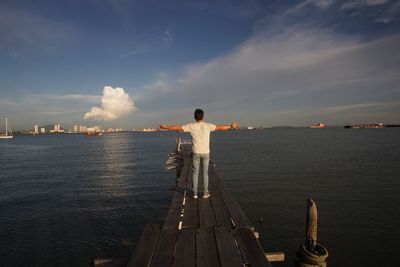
(200, 133)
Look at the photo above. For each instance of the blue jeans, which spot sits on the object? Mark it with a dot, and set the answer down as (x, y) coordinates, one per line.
(204, 159)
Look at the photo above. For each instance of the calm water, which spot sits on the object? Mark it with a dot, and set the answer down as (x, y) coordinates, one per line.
(65, 200)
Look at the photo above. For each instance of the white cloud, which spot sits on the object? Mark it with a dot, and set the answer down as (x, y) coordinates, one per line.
(115, 103)
(321, 4)
(72, 97)
(5, 103)
(356, 4)
(362, 106)
(376, 2)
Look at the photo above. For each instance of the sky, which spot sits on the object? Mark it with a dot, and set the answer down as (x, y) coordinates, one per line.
(136, 64)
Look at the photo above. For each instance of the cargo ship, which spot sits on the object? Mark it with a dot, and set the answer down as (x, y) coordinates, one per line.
(318, 126)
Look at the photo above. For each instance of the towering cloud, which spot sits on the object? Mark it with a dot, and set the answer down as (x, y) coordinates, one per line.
(114, 104)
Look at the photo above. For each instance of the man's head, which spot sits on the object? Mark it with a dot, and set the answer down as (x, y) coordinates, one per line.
(198, 114)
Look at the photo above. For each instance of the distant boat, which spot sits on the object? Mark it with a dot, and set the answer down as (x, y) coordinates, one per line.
(318, 126)
(93, 134)
(8, 134)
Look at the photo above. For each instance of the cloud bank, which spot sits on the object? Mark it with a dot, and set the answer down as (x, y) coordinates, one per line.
(291, 77)
(115, 103)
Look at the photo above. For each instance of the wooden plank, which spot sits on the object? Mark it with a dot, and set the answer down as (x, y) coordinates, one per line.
(190, 213)
(221, 213)
(182, 181)
(212, 184)
(228, 251)
(275, 256)
(251, 250)
(235, 211)
(145, 248)
(185, 253)
(206, 213)
(237, 214)
(217, 178)
(189, 185)
(174, 212)
(206, 248)
(164, 252)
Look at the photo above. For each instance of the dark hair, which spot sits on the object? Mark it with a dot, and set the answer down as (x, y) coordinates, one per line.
(198, 114)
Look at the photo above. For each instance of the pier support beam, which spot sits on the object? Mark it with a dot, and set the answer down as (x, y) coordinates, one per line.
(311, 254)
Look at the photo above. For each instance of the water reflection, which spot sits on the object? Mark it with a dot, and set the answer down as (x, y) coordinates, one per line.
(117, 164)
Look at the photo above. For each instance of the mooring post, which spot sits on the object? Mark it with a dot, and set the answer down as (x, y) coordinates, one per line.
(311, 254)
(178, 144)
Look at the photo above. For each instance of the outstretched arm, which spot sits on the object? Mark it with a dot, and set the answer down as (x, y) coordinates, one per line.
(177, 128)
(234, 125)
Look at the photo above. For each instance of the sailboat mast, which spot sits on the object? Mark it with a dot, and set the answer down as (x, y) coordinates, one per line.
(6, 127)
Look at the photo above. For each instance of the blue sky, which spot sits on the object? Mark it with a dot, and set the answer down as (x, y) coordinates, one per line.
(262, 63)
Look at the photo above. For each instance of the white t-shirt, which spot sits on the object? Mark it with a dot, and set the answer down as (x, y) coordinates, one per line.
(200, 132)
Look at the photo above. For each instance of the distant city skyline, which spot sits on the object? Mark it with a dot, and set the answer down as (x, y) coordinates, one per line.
(136, 64)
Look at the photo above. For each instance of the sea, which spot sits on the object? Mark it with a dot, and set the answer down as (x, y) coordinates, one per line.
(66, 200)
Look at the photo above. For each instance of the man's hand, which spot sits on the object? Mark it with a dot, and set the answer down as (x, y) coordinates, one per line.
(234, 125)
(163, 126)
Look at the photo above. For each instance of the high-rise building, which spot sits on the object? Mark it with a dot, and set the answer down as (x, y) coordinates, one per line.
(43, 130)
(75, 128)
(36, 129)
(57, 128)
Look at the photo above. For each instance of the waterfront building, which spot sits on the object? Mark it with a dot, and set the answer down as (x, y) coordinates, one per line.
(43, 130)
(76, 128)
(82, 129)
(149, 130)
(57, 129)
(94, 129)
(36, 129)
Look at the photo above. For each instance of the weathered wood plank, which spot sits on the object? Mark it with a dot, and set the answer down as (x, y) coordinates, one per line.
(217, 179)
(174, 212)
(164, 252)
(189, 185)
(228, 251)
(275, 256)
(237, 214)
(185, 253)
(221, 213)
(182, 180)
(251, 251)
(206, 213)
(206, 248)
(190, 213)
(145, 248)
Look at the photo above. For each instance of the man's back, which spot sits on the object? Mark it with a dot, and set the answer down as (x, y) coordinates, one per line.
(200, 132)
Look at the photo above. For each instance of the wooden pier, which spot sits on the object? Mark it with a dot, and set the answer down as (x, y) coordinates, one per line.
(200, 232)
